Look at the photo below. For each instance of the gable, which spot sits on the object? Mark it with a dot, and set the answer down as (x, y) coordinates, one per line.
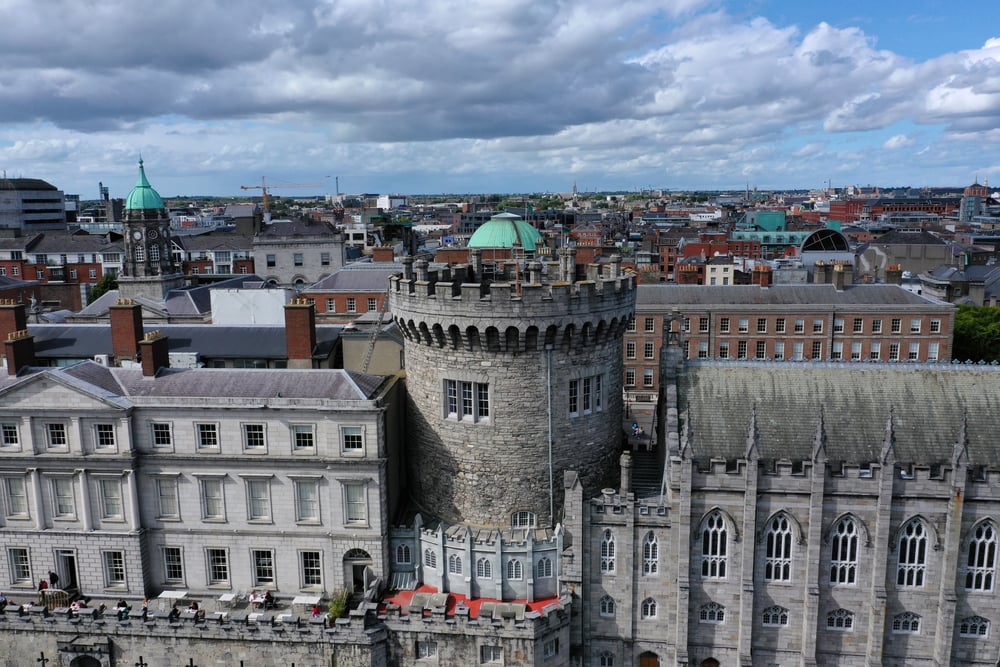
(43, 393)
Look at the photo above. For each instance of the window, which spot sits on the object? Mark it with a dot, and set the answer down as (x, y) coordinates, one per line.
(933, 350)
(484, 568)
(906, 623)
(607, 606)
(154, 254)
(114, 568)
(714, 542)
(982, 558)
(724, 325)
(775, 616)
(488, 654)
(608, 552)
(297, 258)
(974, 626)
(208, 436)
(311, 567)
(648, 351)
(631, 324)
(650, 325)
(213, 506)
(713, 612)
(454, 564)
(20, 566)
(800, 326)
(779, 325)
(844, 552)
(703, 325)
(858, 326)
(162, 435)
(817, 326)
(606, 659)
(876, 326)
(430, 558)
(915, 325)
(173, 564)
(874, 350)
(62, 498)
(331, 305)
(56, 435)
(761, 351)
(914, 352)
(166, 492)
(522, 519)
(817, 350)
(650, 554)
(16, 497)
(629, 377)
(935, 326)
(403, 554)
(741, 349)
(9, 435)
(352, 305)
(778, 549)
(912, 554)
(896, 325)
(585, 396)
(271, 261)
(647, 377)
(258, 500)
(140, 253)
(263, 566)
(514, 569)
(761, 325)
(630, 349)
(15, 271)
(893, 351)
(307, 500)
(543, 568)
(253, 437)
(837, 350)
(372, 304)
(426, 649)
(324, 259)
(648, 608)
(467, 400)
(304, 437)
(838, 325)
(797, 350)
(355, 503)
(856, 350)
(218, 566)
(702, 349)
(840, 619)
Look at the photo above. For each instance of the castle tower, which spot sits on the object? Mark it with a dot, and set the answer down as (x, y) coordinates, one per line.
(148, 269)
(512, 382)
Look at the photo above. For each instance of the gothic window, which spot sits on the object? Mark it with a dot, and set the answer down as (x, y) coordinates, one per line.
(403, 554)
(608, 552)
(778, 549)
(906, 623)
(714, 537)
(430, 558)
(982, 561)
(484, 568)
(650, 554)
(454, 564)
(648, 609)
(713, 612)
(607, 606)
(140, 252)
(514, 569)
(773, 616)
(606, 659)
(912, 550)
(543, 568)
(844, 552)
(840, 619)
(974, 626)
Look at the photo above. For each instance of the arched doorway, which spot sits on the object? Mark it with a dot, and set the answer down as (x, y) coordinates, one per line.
(710, 662)
(85, 661)
(649, 659)
(358, 570)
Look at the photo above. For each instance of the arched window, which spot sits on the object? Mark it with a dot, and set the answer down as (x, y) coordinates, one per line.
(607, 659)
(974, 626)
(775, 616)
(840, 619)
(514, 569)
(906, 623)
(650, 554)
(648, 608)
(522, 519)
(607, 606)
(430, 558)
(982, 562)
(778, 549)
(454, 564)
(543, 568)
(608, 552)
(154, 253)
(912, 550)
(484, 568)
(713, 612)
(403, 554)
(140, 252)
(714, 543)
(844, 552)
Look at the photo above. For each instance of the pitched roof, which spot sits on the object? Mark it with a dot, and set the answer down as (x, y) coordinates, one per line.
(666, 295)
(359, 277)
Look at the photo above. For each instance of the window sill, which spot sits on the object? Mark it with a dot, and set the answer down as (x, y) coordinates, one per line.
(211, 520)
(261, 522)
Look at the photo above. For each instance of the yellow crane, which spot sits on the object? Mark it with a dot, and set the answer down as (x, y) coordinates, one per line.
(264, 187)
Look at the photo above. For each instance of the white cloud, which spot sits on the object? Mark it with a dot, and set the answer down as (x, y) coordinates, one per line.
(898, 141)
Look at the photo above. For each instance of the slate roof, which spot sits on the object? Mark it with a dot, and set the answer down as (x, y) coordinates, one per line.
(896, 237)
(183, 301)
(928, 403)
(285, 229)
(359, 277)
(67, 243)
(34, 184)
(666, 295)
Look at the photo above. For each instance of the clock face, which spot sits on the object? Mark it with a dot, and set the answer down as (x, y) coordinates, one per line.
(137, 235)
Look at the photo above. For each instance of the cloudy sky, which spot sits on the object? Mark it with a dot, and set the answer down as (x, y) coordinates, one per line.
(430, 96)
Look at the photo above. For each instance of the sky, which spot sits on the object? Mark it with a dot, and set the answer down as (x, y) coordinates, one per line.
(498, 96)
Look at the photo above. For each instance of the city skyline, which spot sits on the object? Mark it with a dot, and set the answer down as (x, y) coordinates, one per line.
(507, 97)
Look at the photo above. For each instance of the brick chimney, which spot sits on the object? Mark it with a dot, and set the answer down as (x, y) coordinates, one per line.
(13, 317)
(843, 275)
(154, 349)
(383, 253)
(894, 274)
(762, 275)
(126, 330)
(300, 332)
(20, 351)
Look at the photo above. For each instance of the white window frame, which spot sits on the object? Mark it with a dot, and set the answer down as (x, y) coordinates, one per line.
(208, 500)
(975, 627)
(56, 435)
(606, 607)
(712, 613)
(490, 654)
(207, 437)
(307, 510)
(844, 543)
(258, 490)
(115, 574)
(522, 519)
(15, 496)
(454, 564)
(543, 568)
(840, 620)
(58, 486)
(403, 554)
(608, 559)
(774, 617)
(310, 574)
(981, 550)
(254, 437)
(426, 649)
(911, 554)
(714, 546)
(647, 610)
(355, 436)
(907, 623)
(650, 554)
(484, 568)
(515, 570)
(216, 563)
(263, 567)
(778, 540)
(112, 498)
(303, 438)
(157, 431)
(465, 400)
(355, 508)
(166, 554)
(10, 436)
(19, 560)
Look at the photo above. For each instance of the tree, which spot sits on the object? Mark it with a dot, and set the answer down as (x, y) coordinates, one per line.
(107, 283)
(977, 333)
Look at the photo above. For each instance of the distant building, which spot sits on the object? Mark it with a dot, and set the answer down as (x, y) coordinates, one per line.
(295, 253)
(29, 205)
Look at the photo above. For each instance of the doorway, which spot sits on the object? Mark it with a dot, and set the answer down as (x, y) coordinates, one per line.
(85, 661)
(710, 662)
(358, 564)
(649, 659)
(66, 569)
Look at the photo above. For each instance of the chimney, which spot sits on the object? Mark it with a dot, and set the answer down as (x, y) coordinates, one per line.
(126, 330)
(820, 273)
(20, 351)
(300, 332)
(13, 317)
(155, 353)
(894, 274)
(762, 275)
(382, 253)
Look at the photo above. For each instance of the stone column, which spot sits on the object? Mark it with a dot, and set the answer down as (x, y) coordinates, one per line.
(879, 554)
(683, 527)
(747, 554)
(814, 542)
(947, 596)
(132, 508)
(36, 491)
(85, 511)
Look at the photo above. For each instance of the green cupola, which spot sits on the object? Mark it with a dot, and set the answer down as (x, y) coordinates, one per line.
(143, 196)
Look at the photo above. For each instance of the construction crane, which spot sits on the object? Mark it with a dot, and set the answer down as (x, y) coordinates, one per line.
(264, 187)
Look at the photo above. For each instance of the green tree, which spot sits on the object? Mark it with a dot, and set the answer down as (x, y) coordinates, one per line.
(977, 333)
(107, 283)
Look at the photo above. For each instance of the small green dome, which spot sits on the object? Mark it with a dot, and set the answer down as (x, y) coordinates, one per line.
(502, 230)
(143, 196)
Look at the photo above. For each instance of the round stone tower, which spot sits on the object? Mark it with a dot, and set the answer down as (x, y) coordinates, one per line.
(514, 376)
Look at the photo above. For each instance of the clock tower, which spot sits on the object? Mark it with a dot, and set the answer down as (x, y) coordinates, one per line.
(148, 268)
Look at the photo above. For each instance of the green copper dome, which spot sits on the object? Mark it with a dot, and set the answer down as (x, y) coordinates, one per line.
(502, 230)
(143, 196)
